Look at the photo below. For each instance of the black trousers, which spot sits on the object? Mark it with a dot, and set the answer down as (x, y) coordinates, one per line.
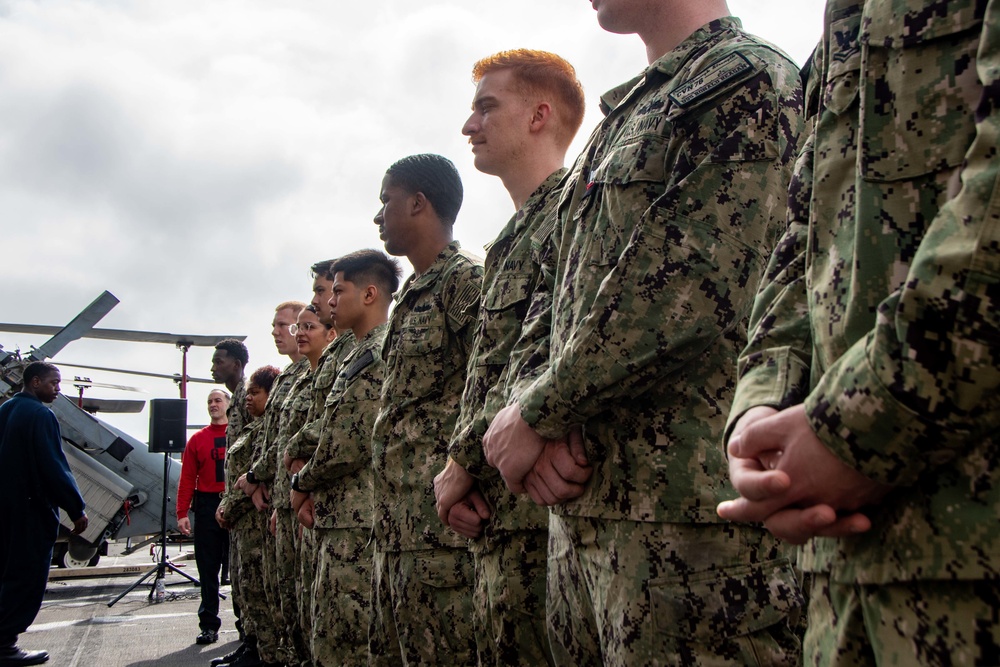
(211, 547)
(26, 539)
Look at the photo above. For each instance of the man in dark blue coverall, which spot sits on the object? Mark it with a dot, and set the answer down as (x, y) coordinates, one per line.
(35, 481)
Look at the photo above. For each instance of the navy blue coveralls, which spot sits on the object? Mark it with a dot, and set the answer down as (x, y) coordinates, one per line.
(35, 481)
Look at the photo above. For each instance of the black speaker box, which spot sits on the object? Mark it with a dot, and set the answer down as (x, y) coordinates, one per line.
(167, 425)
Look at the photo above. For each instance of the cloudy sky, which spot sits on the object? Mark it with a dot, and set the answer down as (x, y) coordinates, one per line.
(194, 157)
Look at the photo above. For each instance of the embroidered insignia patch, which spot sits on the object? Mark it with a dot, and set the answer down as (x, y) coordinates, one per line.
(360, 364)
(717, 74)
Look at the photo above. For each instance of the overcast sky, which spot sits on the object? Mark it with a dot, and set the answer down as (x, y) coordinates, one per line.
(194, 157)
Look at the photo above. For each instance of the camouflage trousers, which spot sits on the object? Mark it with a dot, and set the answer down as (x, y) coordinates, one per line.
(304, 582)
(634, 593)
(235, 592)
(284, 653)
(341, 597)
(909, 623)
(249, 573)
(422, 608)
(286, 548)
(510, 600)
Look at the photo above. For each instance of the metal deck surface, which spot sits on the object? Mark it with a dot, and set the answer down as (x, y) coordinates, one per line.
(78, 629)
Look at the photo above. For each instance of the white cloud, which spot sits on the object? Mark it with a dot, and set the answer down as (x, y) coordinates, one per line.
(195, 157)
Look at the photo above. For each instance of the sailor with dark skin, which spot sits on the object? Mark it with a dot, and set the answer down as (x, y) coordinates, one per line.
(35, 481)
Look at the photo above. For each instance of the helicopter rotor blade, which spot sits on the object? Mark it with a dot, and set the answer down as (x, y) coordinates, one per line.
(87, 383)
(77, 327)
(176, 377)
(126, 335)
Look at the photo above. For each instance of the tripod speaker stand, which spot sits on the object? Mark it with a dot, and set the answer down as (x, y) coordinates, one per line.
(167, 428)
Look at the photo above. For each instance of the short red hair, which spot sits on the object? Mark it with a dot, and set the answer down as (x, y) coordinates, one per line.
(542, 73)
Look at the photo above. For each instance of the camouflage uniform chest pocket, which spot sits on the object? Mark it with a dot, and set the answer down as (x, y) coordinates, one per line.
(627, 181)
(419, 367)
(920, 90)
(844, 71)
(505, 302)
(421, 341)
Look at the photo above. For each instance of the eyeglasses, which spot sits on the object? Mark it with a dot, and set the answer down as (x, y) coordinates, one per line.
(305, 327)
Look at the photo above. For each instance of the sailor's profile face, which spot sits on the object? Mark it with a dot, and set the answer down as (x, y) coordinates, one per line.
(499, 126)
(394, 224)
(322, 289)
(224, 367)
(256, 400)
(284, 341)
(47, 387)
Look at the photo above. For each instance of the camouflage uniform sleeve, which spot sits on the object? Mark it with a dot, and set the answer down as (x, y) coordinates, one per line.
(923, 384)
(304, 442)
(264, 465)
(531, 352)
(349, 417)
(461, 302)
(531, 348)
(637, 330)
(774, 367)
(235, 503)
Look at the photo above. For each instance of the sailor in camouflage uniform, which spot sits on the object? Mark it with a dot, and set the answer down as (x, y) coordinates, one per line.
(238, 514)
(870, 383)
(665, 225)
(311, 340)
(303, 442)
(423, 572)
(229, 362)
(338, 476)
(527, 108)
(258, 481)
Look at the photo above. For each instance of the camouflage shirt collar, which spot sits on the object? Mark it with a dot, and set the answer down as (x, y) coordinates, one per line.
(334, 345)
(417, 283)
(670, 63)
(296, 367)
(376, 333)
(539, 196)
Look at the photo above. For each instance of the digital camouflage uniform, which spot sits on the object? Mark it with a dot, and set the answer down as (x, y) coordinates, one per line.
(301, 446)
(236, 414)
(236, 417)
(339, 478)
(879, 313)
(246, 544)
(665, 225)
(510, 557)
(423, 572)
(265, 467)
(294, 413)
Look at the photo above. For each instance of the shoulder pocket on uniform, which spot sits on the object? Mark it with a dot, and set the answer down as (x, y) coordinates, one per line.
(920, 90)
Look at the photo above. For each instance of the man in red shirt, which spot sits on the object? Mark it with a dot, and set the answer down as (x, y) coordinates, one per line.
(203, 478)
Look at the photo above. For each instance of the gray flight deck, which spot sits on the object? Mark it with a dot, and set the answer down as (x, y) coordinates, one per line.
(78, 629)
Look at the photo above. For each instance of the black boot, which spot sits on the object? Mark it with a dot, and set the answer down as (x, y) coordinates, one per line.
(229, 657)
(250, 658)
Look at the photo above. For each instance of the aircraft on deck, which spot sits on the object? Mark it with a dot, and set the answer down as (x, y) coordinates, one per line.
(121, 481)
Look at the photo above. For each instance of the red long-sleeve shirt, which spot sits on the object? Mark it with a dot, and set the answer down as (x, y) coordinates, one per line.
(203, 466)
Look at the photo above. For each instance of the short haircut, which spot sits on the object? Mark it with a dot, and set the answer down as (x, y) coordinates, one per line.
(370, 267)
(542, 73)
(322, 269)
(264, 376)
(434, 176)
(220, 390)
(234, 348)
(38, 369)
(294, 306)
